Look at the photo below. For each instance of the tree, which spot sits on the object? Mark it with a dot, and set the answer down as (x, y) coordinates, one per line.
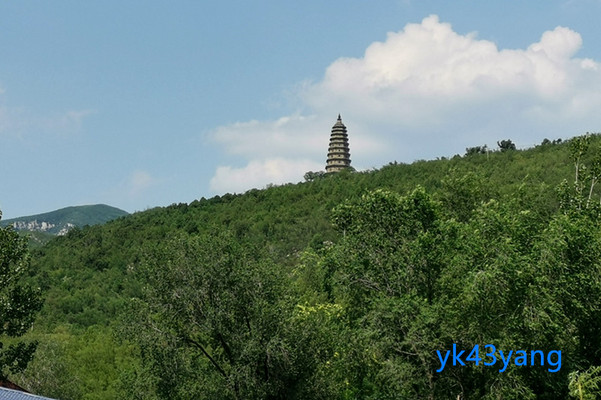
(573, 196)
(385, 273)
(578, 147)
(585, 385)
(312, 176)
(411, 279)
(476, 150)
(215, 321)
(505, 145)
(18, 303)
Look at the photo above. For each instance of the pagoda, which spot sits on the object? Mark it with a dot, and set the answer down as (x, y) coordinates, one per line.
(339, 157)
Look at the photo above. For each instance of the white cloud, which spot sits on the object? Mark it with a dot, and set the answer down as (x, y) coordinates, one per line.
(428, 68)
(428, 91)
(258, 173)
(285, 137)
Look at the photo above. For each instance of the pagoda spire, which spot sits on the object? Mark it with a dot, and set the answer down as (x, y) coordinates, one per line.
(339, 156)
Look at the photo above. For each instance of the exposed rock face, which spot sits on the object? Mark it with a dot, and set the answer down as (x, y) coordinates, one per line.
(42, 226)
(35, 225)
(65, 229)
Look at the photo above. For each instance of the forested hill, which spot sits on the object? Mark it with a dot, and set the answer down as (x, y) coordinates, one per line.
(58, 222)
(275, 269)
(286, 219)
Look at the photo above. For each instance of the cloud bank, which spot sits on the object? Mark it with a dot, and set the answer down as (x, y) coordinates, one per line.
(425, 91)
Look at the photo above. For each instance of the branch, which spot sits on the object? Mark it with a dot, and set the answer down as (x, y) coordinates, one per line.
(198, 345)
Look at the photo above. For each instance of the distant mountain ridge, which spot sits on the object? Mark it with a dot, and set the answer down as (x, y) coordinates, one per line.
(59, 222)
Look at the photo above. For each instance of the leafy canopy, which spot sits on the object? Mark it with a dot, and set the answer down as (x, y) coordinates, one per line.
(18, 303)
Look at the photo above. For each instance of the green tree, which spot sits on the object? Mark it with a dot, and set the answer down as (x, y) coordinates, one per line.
(385, 273)
(586, 385)
(412, 279)
(311, 176)
(505, 145)
(18, 303)
(476, 150)
(216, 322)
(578, 147)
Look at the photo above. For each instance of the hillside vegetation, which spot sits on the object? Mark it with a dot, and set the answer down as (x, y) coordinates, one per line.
(341, 287)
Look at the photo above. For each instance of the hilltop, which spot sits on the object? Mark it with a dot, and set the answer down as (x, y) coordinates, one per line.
(59, 222)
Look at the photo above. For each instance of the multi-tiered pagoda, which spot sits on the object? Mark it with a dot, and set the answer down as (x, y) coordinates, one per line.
(339, 157)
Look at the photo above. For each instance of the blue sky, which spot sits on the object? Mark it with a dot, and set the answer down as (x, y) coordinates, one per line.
(139, 104)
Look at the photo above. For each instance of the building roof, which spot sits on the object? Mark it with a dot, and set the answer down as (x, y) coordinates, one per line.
(339, 121)
(10, 394)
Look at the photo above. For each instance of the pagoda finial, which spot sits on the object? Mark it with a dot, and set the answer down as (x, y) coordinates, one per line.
(339, 119)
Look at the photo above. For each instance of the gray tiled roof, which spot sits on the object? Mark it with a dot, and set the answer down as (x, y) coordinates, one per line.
(9, 394)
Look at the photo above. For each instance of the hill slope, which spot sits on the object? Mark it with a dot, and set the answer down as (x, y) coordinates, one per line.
(282, 219)
(89, 275)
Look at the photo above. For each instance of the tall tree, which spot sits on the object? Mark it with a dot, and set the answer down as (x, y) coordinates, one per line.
(216, 322)
(18, 303)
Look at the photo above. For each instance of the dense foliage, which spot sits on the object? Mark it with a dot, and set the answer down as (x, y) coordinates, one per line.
(344, 286)
(18, 304)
